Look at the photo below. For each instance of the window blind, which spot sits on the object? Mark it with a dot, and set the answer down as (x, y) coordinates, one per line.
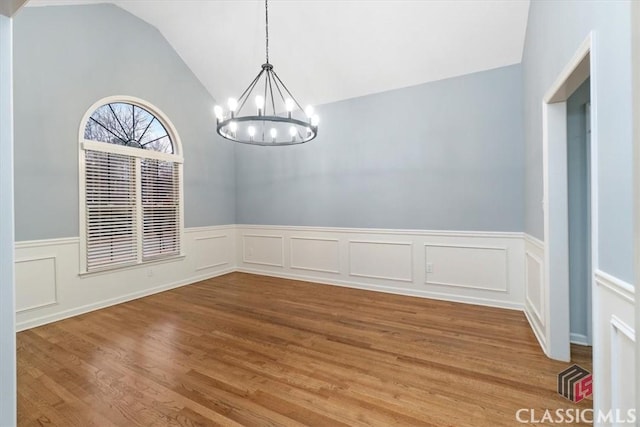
(110, 196)
(160, 208)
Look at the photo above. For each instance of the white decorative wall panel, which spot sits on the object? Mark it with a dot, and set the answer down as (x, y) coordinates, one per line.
(534, 285)
(50, 288)
(623, 343)
(36, 282)
(212, 251)
(614, 343)
(263, 250)
(476, 267)
(381, 260)
(315, 254)
(391, 260)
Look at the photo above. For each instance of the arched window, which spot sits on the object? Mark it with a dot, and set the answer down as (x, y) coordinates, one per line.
(130, 185)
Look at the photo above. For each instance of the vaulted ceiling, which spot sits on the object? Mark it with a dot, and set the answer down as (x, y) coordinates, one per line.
(332, 50)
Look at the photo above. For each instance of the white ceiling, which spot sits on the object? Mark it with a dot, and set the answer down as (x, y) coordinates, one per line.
(326, 50)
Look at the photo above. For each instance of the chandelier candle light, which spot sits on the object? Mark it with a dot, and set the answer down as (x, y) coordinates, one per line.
(278, 120)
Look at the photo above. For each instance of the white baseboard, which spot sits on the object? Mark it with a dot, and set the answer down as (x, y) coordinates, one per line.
(386, 289)
(537, 330)
(579, 339)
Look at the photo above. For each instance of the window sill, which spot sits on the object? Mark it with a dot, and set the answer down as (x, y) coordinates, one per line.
(143, 264)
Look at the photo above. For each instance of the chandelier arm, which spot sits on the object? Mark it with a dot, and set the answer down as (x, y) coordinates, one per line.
(275, 81)
(266, 84)
(243, 99)
(273, 101)
(288, 92)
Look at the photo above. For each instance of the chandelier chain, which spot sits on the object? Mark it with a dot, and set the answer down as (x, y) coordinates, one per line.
(266, 27)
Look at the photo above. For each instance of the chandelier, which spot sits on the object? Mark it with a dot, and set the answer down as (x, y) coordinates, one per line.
(276, 117)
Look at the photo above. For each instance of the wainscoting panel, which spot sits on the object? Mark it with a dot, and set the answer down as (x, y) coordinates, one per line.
(212, 251)
(534, 304)
(49, 286)
(535, 288)
(263, 249)
(623, 342)
(614, 343)
(315, 254)
(40, 274)
(381, 260)
(393, 261)
(485, 267)
(473, 267)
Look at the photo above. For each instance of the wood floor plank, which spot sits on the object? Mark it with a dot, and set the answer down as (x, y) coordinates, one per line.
(243, 349)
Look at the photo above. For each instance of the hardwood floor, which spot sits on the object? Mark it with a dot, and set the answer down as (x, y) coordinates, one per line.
(251, 350)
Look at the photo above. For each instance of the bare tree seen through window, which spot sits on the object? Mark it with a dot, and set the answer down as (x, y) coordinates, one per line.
(128, 125)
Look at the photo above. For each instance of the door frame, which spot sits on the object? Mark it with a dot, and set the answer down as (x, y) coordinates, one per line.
(635, 111)
(555, 204)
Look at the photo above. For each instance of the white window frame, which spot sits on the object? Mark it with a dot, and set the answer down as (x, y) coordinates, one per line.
(137, 153)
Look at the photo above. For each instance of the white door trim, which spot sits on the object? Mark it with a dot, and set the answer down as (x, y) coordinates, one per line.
(555, 207)
(635, 109)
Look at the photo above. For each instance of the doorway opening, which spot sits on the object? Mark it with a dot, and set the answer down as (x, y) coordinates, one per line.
(570, 204)
(579, 218)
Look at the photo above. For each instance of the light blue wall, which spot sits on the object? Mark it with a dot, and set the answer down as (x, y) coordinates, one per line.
(67, 58)
(443, 155)
(578, 204)
(446, 155)
(554, 32)
(7, 287)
